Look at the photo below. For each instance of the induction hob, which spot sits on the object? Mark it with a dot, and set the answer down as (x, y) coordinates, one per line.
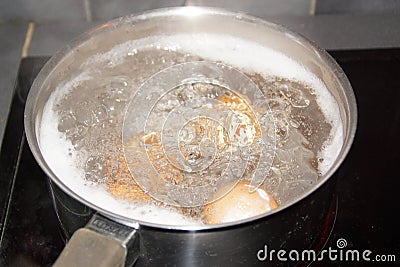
(368, 181)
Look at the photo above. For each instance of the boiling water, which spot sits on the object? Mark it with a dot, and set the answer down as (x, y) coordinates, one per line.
(83, 119)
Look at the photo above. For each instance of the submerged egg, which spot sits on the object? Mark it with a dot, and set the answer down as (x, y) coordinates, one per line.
(240, 203)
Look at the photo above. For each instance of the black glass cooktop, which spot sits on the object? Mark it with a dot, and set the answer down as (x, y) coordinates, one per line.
(367, 187)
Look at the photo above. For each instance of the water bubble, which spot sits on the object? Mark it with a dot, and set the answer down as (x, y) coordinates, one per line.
(92, 119)
(100, 113)
(294, 93)
(67, 123)
(94, 169)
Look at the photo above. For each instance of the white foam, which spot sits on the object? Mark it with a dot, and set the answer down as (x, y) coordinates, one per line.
(239, 53)
(63, 161)
(250, 57)
(65, 88)
(50, 137)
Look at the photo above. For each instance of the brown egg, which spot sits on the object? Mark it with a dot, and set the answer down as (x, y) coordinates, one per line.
(120, 183)
(136, 154)
(245, 127)
(238, 204)
(234, 101)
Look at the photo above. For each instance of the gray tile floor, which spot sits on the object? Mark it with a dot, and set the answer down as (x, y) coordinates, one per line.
(42, 10)
(357, 7)
(48, 38)
(12, 39)
(328, 31)
(260, 8)
(106, 9)
(58, 24)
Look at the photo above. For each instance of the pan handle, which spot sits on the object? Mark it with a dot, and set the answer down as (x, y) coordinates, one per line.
(102, 242)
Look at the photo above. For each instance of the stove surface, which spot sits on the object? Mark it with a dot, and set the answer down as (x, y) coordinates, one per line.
(368, 181)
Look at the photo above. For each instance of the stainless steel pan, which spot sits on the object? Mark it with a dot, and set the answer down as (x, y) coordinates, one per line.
(110, 239)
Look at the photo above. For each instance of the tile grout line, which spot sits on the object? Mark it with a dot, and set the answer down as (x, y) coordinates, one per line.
(88, 11)
(28, 39)
(311, 11)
